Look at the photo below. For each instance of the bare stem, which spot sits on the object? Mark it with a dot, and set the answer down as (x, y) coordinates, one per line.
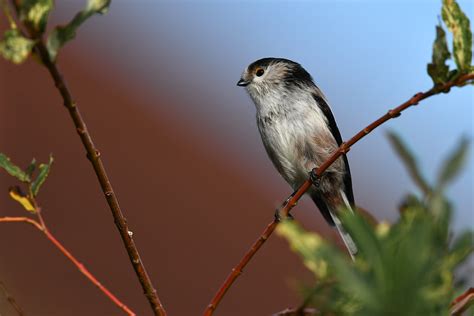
(343, 149)
(76, 262)
(11, 300)
(93, 154)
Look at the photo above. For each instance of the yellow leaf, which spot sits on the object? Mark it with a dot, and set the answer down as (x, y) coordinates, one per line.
(16, 194)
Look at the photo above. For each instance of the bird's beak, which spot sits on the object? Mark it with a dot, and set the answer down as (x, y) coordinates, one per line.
(243, 83)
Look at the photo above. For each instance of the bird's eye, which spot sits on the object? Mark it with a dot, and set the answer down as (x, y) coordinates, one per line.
(259, 72)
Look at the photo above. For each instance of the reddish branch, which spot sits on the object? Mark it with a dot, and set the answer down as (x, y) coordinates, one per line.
(93, 155)
(343, 149)
(11, 300)
(42, 227)
(462, 302)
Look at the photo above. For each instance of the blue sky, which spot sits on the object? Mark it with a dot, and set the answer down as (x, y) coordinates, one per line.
(367, 56)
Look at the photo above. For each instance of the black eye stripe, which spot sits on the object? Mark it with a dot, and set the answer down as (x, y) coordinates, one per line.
(259, 72)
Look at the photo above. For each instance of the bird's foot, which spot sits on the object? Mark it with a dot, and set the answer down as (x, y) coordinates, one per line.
(315, 178)
(279, 216)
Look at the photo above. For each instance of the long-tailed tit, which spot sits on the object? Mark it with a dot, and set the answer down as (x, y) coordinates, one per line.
(299, 133)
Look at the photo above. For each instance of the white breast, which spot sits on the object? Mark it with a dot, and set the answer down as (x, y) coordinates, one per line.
(294, 131)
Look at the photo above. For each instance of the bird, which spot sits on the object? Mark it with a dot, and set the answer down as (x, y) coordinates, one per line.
(299, 133)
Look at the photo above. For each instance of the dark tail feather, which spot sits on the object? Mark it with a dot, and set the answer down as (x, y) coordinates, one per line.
(318, 200)
(346, 238)
(333, 220)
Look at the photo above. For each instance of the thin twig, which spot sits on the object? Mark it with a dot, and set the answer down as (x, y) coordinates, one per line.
(76, 262)
(11, 300)
(300, 309)
(343, 149)
(307, 311)
(93, 154)
(462, 302)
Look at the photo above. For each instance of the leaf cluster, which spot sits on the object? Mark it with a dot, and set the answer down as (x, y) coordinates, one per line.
(16, 46)
(459, 26)
(406, 268)
(27, 177)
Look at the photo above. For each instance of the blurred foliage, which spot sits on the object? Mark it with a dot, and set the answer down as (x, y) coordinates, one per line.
(410, 162)
(458, 24)
(62, 34)
(33, 184)
(43, 172)
(406, 268)
(16, 46)
(35, 13)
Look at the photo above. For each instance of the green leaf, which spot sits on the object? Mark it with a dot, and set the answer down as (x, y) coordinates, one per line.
(437, 69)
(14, 47)
(62, 34)
(407, 268)
(410, 162)
(453, 164)
(12, 169)
(441, 210)
(35, 13)
(305, 244)
(462, 248)
(58, 37)
(31, 168)
(42, 175)
(458, 24)
(98, 6)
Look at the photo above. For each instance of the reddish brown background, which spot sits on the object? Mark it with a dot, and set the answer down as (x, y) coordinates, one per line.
(194, 203)
(193, 215)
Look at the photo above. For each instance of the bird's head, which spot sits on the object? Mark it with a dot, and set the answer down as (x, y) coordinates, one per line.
(267, 74)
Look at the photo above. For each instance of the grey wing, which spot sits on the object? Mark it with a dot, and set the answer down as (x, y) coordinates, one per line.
(323, 105)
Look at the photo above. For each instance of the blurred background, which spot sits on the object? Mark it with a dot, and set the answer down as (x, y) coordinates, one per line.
(155, 81)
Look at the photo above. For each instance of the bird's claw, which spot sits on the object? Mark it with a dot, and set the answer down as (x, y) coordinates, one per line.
(278, 216)
(315, 178)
